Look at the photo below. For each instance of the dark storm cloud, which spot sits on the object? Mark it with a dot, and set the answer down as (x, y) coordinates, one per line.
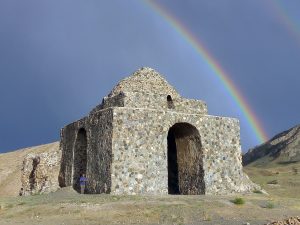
(59, 58)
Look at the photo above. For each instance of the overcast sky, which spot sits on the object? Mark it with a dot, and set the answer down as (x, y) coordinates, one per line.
(58, 59)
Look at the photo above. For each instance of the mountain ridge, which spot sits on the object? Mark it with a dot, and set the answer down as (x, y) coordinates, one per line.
(283, 148)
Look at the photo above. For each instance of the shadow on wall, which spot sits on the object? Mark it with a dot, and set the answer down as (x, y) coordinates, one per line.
(185, 160)
(80, 158)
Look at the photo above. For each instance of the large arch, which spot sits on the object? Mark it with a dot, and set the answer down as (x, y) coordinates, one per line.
(185, 160)
(80, 158)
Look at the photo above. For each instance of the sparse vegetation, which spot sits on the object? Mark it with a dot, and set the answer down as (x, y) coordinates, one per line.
(206, 217)
(266, 173)
(238, 201)
(68, 207)
(21, 203)
(287, 182)
(257, 191)
(270, 205)
(9, 206)
(272, 182)
(295, 170)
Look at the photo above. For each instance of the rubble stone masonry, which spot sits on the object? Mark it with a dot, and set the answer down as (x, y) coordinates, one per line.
(144, 138)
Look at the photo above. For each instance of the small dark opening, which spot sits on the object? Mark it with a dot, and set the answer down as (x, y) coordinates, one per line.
(80, 158)
(170, 102)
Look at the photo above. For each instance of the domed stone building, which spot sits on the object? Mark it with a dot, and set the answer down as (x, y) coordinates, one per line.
(144, 138)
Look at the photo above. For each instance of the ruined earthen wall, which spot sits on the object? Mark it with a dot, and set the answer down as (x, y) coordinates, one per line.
(39, 173)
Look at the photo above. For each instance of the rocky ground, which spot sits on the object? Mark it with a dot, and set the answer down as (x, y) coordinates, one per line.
(292, 220)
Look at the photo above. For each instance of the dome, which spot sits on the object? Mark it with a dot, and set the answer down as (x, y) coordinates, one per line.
(144, 80)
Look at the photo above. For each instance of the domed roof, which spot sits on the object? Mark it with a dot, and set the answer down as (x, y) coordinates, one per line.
(145, 80)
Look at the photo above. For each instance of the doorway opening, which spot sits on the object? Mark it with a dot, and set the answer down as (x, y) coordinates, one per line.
(80, 158)
(185, 160)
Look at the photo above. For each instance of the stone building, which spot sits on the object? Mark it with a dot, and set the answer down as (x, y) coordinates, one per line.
(144, 138)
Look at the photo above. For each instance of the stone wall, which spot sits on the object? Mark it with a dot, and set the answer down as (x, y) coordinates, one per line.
(67, 141)
(222, 156)
(148, 89)
(108, 102)
(140, 152)
(100, 152)
(160, 102)
(89, 154)
(152, 101)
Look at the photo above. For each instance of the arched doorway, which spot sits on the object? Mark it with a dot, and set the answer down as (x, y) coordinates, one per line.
(80, 158)
(185, 160)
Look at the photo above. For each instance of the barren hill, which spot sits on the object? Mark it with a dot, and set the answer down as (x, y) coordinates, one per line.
(11, 165)
(284, 148)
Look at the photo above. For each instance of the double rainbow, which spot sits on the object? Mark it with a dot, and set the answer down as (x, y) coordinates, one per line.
(292, 26)
(218, 71)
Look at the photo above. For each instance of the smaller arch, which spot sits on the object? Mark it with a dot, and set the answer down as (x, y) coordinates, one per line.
(80, 158)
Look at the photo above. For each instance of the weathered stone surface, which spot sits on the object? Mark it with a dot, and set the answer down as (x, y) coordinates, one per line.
(39, 172)
(144, 138)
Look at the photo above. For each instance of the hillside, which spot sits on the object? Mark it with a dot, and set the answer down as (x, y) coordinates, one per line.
(275, 165)
(11, 164)
(284, 148)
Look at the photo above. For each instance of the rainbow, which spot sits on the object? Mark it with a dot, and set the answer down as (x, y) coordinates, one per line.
(285, 18)
(229, 85)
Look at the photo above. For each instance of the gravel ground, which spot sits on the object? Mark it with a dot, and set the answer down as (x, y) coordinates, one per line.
(66, 207)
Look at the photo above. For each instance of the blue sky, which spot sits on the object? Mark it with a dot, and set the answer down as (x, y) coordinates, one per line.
(58, 59)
